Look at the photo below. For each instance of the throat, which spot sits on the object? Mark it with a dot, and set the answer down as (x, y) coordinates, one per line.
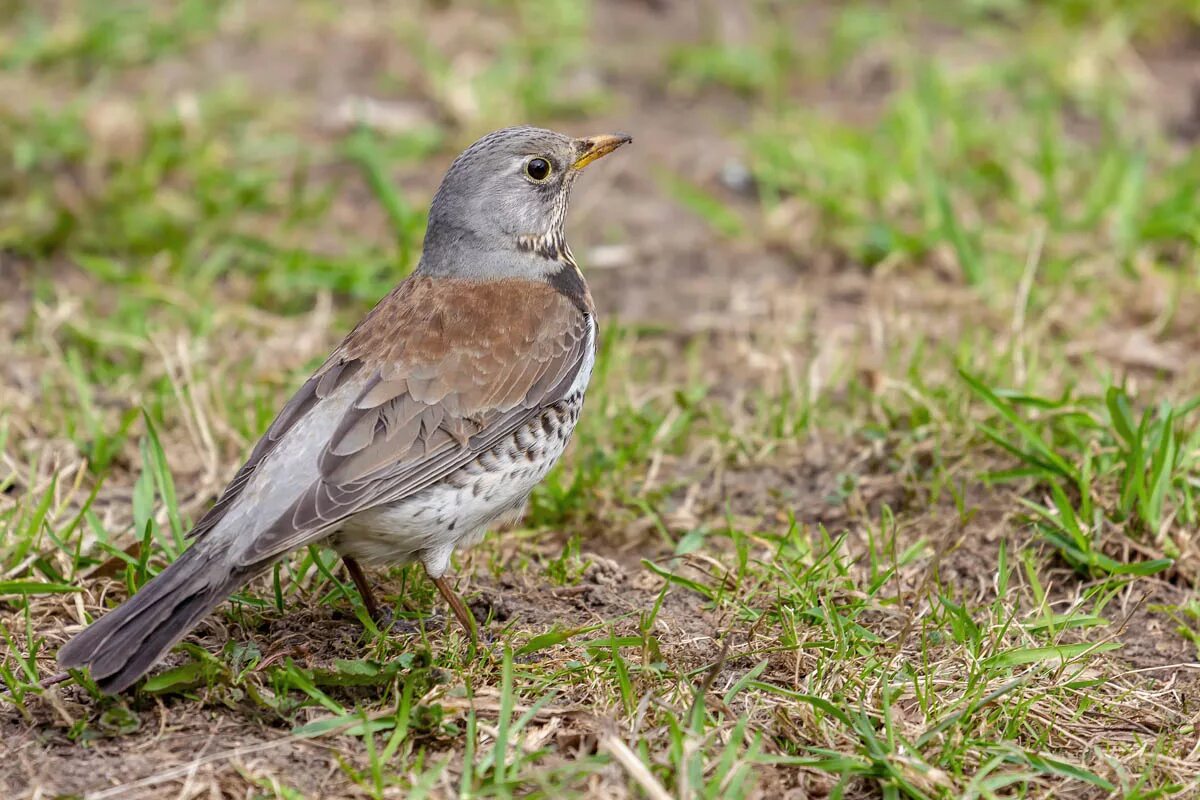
(551, 246)
(561, 270)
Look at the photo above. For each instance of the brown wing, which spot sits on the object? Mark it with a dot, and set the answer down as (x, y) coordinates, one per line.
(447, 369)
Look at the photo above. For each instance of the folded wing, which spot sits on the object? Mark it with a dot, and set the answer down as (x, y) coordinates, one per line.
(434, 376)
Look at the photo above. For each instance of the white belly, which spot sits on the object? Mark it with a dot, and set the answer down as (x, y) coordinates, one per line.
(453, 514)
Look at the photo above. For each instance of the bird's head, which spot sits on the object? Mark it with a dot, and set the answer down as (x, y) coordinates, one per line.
(508, 194)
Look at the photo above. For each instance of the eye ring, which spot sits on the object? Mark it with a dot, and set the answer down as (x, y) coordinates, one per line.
(538, 169)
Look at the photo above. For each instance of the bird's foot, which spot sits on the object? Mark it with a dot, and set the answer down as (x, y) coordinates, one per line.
(388, 621)
(384, 618)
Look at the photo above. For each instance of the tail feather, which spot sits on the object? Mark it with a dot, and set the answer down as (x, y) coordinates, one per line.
(127, 641)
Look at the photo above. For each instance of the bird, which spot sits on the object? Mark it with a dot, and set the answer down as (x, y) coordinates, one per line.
(429, 424)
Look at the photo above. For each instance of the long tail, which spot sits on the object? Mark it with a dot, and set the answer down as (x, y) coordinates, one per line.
(127, 641)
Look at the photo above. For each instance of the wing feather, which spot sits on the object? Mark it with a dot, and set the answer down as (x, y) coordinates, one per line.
(328, 379)
(456, 380)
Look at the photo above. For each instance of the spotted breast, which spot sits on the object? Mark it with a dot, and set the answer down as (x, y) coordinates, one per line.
(489, 492)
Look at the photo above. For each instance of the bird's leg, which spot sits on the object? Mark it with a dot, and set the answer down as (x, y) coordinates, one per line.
(384, 618)
(364, 590)
(464, 615)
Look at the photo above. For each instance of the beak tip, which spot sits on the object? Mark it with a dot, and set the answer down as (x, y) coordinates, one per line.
(595, 147)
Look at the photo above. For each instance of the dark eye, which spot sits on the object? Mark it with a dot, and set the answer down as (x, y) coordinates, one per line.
(538, 169)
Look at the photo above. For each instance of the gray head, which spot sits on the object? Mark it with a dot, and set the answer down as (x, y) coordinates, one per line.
(502, 205)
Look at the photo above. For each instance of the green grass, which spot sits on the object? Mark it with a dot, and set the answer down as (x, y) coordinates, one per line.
(904, 524)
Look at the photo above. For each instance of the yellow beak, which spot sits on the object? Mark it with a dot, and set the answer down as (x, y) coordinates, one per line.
(595, 147)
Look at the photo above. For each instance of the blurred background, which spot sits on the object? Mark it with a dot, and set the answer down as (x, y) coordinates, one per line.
(926, 265)
(163, 160)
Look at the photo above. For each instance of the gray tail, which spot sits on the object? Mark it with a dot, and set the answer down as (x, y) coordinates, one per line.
(126, 642)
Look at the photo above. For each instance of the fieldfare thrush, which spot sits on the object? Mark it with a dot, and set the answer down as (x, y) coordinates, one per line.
(429, 424)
